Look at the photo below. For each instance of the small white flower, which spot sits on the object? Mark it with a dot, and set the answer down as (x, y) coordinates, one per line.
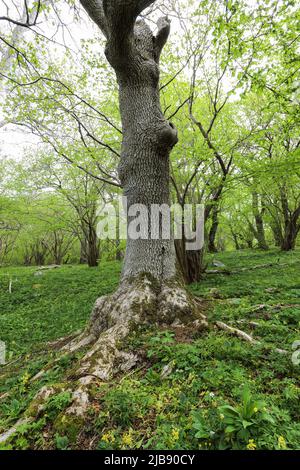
(212, 394)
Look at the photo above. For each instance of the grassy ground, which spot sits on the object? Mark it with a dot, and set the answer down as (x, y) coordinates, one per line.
(209, 392)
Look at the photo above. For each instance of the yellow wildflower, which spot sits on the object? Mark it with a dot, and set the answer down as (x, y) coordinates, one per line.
(108, 437)
(175, 434)
(127, 439)
(158, 405)
(251, 445)
(25, 378)
(255, 410)
(281, 442)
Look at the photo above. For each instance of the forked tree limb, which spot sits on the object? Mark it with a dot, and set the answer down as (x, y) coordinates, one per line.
(116, 19)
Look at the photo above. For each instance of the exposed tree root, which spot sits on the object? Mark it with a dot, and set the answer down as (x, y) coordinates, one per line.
(7, 434)
(114, 318)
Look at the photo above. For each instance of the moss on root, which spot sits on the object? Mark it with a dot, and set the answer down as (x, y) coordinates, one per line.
(41, 400)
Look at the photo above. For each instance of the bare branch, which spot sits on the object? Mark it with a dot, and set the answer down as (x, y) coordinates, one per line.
(161, 38)
(29, 18)
(179, 108)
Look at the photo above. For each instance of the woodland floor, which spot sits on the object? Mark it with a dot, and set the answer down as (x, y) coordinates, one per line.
(211, 392)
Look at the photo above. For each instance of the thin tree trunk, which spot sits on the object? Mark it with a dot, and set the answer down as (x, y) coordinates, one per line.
(259, 233)
(213, 231)
(290, 233)
(190, 262)
(291, 225)
(92, 248)
(235, 239)
(83, 250)
(277, 233)
(119, 254)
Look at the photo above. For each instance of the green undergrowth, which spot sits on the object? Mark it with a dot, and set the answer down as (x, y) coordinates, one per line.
(206, 391)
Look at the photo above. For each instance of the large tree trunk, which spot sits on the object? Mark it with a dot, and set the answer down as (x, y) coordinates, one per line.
(144, 167)
(147, 136)
(150, 291)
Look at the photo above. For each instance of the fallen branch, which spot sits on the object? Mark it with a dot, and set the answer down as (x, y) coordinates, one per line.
(248, 268)
(253, 324)
(218, 271)
(243, 335)
(50, 266)
(4, 395)
(236, 332)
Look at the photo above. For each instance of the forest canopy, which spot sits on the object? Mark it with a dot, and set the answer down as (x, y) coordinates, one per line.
(229, 82)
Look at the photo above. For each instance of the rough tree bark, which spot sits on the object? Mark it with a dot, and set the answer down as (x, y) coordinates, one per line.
(190, 263)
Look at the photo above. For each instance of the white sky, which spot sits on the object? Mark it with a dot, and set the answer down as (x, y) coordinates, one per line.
(15, 140)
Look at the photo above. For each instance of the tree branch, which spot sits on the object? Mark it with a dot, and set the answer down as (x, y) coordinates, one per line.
(94, 9)
(28, 19)
(116, 20)
(161, 38)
